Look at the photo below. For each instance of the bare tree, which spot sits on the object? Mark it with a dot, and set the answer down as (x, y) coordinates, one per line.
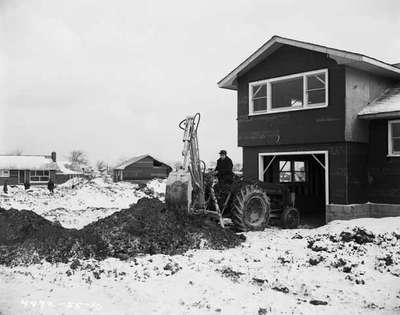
(101, 166)
(78, 157)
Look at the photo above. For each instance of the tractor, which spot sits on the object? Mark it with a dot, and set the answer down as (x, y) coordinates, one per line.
(250, 206)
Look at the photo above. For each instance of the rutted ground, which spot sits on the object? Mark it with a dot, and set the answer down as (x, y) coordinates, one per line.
(346, 267)
(144, 228)
(79, 202)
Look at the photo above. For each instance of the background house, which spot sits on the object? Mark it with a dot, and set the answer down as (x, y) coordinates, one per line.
(141, 168)
(34, 169)
(324, 122)
(66, 171)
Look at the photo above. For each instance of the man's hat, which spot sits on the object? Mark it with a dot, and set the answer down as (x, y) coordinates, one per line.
(222, 152)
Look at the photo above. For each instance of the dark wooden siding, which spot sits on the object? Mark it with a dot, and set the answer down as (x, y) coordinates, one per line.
(305, 126)
(145, 169)
(357, 165)
(338, 165)
(15, 180)
(384, 171)
(12, 180)
(62, 178)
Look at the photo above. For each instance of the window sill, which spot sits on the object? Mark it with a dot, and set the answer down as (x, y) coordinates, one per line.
(288, 110)
(393, 155)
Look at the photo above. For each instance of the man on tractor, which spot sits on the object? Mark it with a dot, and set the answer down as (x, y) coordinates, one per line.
(223, 170)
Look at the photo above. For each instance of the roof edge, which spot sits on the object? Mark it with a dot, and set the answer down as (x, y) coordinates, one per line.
(228, 81)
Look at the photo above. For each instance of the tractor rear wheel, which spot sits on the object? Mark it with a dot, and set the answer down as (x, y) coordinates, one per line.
(290, 218)
(250, 209)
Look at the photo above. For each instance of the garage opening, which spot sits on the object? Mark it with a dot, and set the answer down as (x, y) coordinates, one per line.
(306, 177)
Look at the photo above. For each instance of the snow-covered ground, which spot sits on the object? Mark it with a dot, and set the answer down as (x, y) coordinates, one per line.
(304, 271)
(79, 201)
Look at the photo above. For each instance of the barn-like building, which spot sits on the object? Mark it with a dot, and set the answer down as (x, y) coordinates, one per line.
(141, 168)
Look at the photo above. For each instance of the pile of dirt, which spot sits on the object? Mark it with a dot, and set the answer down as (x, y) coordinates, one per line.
(144, 228)
(26, 237)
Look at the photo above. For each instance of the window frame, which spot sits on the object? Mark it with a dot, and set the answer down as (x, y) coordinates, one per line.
(33, 173)
(390, 138)
(305, 106)
(5, 173)
(292, 171)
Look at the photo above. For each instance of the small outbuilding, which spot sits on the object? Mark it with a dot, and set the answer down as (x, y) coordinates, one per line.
(66, 171)
(141, 168)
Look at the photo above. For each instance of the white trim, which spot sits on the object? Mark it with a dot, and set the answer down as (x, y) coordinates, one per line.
(228, 81)
(390, 144)
(39, 181)
(325, 152)
(305, 105)
(5, 173)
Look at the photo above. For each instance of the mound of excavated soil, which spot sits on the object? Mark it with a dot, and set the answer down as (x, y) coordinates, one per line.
(145, 228)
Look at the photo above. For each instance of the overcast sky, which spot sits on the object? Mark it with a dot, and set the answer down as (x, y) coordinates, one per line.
(114, 78)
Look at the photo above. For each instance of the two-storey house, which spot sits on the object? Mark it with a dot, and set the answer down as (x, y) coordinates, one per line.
(325, 122)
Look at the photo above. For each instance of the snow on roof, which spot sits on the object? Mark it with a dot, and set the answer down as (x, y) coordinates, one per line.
(62, 165)
(352, 59)
(27, 162)
(134, 160)
(387, 105)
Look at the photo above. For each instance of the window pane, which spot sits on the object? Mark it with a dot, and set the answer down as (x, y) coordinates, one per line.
(395, 129)
(316, 81)
(34, 178)
(316, 97)
(260, 104)
(299, 166)
(287, 93)
(285, 177)
(396, 146)
(46, 173)
(39, 173)
(44, 179)
(299, 176)
(259, 90)
(284, 166)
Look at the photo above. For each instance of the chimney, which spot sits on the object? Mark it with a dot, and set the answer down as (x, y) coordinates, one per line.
(54, 156)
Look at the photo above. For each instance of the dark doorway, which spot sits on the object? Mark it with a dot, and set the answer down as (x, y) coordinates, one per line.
(21, 177)
(304, 175)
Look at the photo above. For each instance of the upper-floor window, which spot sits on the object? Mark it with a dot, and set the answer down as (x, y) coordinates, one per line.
(394, 137)
(292, 92)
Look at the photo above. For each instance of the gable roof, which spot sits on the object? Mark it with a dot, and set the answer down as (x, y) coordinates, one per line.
(387, 105)
(136, 159)
(27, 162)
(357, 60)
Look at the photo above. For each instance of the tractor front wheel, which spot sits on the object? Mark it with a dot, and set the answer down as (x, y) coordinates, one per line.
(251, 209)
